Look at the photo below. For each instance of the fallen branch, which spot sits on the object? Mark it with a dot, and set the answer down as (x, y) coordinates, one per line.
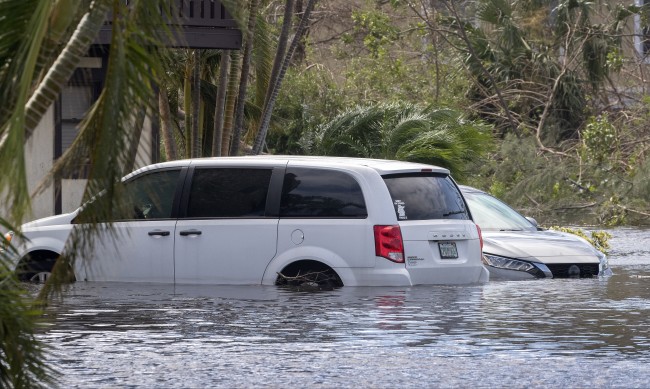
(576, 206)
(312, 279)
(632, 210)
(532, 200)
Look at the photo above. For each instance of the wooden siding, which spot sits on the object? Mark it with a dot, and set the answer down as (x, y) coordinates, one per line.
(201, 24)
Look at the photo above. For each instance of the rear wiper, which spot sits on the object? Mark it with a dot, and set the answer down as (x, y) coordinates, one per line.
(452, 213)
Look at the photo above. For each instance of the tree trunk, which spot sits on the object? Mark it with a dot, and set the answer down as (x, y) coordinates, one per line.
(268, 109)
(196, 104)
(187, 107)
(231, 98)
(138, 123)
(61, 71)
(220, 103)
(243, 81)
(282, 47)
(300, 54)
(166, 125)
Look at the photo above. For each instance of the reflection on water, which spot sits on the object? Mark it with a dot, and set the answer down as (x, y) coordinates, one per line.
(575, 333)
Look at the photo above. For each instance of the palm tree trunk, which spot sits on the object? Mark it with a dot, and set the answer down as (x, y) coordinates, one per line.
(243, 81)
(196, 104)
(166, 125)
(231, 98)
(62, 69)
(220, 103)
(138, 123)
(282, 48)
(59, 73)
(268, 109)
(187, 107)
(299, 54)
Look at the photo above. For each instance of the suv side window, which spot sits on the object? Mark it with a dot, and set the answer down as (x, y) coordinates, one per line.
(148, 196)
(228, 192)
(309, 192)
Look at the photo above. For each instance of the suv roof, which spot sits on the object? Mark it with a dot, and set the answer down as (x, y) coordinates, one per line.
(382, 166)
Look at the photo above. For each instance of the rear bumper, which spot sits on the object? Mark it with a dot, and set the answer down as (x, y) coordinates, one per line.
(386, 273)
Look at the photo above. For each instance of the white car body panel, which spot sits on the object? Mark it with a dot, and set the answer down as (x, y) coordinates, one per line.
(423, 259)
(540, 246)
(228, 251)
(128, 253)
(254, 250)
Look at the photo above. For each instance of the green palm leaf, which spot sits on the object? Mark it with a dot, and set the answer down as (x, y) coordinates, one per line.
(404, 131)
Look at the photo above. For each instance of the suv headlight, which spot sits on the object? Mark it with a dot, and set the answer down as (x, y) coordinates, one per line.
(6, 241)
(507, 263)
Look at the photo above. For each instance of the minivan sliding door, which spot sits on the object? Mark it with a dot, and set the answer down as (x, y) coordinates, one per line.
(225, 235)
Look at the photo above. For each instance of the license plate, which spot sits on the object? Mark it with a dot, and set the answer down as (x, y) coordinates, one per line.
(448, 250)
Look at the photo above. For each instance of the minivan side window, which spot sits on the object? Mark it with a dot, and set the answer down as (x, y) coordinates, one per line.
(425, 196)
(148, 196)
(228, 192)
(309, 192)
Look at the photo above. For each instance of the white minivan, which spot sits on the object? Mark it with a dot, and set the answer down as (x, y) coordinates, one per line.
(273, 220)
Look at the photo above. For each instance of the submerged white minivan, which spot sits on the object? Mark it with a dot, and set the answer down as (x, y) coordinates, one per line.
(274, 220)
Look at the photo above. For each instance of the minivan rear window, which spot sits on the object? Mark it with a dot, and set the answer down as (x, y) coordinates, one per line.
(425, 196)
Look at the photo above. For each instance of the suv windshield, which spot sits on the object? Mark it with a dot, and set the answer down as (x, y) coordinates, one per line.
(425, 196)
(493, 215)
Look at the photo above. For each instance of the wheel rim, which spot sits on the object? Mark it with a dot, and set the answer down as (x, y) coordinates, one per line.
(40, 277)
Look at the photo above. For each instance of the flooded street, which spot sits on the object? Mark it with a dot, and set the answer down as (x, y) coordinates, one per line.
(547, 333)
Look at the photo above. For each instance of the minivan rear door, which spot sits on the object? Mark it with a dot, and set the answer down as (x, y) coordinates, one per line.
(439, 237)
(224, 234)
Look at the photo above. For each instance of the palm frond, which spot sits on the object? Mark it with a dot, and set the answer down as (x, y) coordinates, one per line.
(22, 355)
(407, 132)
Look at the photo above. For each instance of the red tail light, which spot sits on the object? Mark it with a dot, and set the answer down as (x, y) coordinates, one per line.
(388, 243)
(480, 236)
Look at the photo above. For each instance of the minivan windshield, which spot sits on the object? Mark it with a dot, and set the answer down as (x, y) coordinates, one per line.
(493, 215)
(425, 196)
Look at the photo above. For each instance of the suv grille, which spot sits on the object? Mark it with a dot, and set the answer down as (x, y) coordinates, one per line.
(562, 270)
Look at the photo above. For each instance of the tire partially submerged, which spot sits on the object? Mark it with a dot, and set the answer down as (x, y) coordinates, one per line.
(308, 275)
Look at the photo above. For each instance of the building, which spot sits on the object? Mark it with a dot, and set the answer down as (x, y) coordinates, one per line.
(203, 24)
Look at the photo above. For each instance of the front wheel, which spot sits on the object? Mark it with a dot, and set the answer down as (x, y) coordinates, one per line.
(37, 268)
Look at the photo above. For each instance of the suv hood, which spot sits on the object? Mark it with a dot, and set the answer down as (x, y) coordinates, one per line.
(66, 218)
(540, 246)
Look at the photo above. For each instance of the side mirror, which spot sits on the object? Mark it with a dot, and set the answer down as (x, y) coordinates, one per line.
(534, 222)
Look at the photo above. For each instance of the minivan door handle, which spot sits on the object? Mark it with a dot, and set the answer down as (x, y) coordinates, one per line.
(190, 232)
(158, 233)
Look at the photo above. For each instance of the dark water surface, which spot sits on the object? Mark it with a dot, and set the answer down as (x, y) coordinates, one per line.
(547, 333)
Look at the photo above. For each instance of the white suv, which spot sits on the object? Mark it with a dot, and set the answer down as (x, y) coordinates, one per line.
(274, 220)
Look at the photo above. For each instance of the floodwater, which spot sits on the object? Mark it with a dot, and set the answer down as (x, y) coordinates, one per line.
(546, 333)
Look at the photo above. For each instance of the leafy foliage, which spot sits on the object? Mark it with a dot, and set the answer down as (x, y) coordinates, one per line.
(598, 239)
(404, 131)
(22, 356)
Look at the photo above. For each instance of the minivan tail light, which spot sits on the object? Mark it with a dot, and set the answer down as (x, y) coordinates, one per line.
(480, 236)
(388, 243)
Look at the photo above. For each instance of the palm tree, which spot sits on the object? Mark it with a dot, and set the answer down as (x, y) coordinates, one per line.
(405, 132)
(30, 34)
(243, 80)
(280, 66)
